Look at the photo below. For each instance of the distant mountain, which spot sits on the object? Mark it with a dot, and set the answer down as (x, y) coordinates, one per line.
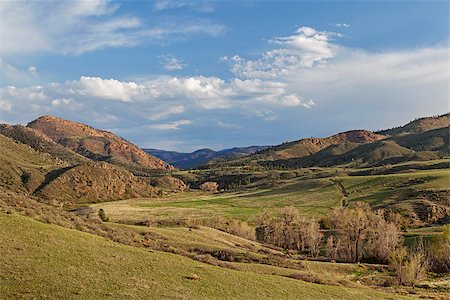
(98, 145)
(202, 156)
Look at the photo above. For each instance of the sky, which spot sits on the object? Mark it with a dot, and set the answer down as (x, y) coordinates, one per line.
(184, 75)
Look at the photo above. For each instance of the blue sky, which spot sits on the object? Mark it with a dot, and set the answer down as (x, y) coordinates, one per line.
(183, 75)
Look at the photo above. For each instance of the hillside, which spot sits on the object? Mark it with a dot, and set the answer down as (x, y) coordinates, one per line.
(24, 170)
(202, 156)
(42, 143)
(93, 182)
(419, 125)
(308, 146)
(59, 263)
(96, 144)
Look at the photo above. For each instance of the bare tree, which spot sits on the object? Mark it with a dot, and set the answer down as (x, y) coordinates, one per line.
(361, 232)
(410, 267)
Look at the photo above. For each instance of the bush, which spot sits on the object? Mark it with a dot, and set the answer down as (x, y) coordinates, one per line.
(440, 251)
(410, 266)
(209, 186)
(102, 215)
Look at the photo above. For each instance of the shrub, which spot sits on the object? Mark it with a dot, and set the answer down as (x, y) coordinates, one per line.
(102, 215)
(209, 186)
(410, 266)
(440, 251)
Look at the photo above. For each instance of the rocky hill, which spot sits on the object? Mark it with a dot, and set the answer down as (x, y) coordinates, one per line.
(26, 171)
(89, 183)
(96, 144)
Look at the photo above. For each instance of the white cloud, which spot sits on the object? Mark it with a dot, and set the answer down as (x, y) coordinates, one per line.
(58, 102)
(109, 89)
(75, 27)
(6, 106)
(173, 4)
(308, 47)
(345, 25)
(171, 63)
(225, 125)
(291, 100)
(12, 75)
(170, 126)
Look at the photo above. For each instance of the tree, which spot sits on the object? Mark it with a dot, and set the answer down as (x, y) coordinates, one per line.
(292, 231)
(361, 233)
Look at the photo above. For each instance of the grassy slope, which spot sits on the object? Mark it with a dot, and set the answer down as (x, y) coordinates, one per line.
(46, 261)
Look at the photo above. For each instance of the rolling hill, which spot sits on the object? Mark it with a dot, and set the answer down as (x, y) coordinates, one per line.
(419, 140)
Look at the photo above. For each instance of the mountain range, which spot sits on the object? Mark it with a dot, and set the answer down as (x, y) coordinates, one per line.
(202, 156)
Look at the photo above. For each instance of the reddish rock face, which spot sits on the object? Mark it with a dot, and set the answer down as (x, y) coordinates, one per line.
(95, 144)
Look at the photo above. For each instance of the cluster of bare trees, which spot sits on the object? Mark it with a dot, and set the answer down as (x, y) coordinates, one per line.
(356, 234)
(360, 233)
(290, 230)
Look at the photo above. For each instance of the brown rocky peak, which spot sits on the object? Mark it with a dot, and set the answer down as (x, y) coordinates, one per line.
(94, 143)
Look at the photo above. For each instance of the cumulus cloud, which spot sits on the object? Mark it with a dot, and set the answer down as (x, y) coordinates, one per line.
(307, 47)
(75, 27)
(171, 63)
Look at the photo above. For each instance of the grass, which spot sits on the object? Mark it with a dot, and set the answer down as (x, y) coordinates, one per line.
(312, 197)
(46, 261)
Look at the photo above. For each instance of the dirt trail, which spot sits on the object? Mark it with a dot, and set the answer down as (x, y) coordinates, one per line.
(342, 190)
